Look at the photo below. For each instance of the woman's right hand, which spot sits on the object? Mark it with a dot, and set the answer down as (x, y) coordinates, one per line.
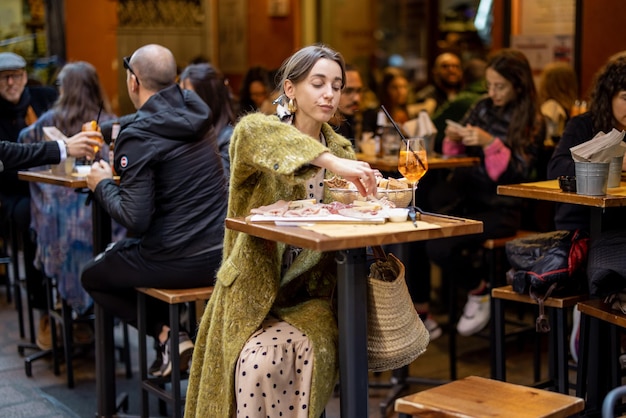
(358, 173)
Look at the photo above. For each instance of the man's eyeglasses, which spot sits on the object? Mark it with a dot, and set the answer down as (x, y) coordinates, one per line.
(126, 61)
(11, 76)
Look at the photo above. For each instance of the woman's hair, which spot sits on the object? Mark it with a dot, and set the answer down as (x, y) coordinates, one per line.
(514, 67)
(209, 83)
(297, 67)
(608, 82)
(260, 74)
(558, 82)
(82, 97)
(389, 75)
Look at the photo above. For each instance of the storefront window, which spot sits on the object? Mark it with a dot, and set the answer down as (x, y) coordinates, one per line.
(23, 31)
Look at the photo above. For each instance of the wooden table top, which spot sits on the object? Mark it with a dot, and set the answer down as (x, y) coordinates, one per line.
(367, 234)
(560, 302)
(598, 309)
(391, 163)
(479, 397)
(47, 176)
(549, 190)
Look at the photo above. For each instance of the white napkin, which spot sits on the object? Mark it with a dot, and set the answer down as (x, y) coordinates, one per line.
(601, 148)
(420, 126)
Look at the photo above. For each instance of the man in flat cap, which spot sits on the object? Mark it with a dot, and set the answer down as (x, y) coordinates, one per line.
(19, 107)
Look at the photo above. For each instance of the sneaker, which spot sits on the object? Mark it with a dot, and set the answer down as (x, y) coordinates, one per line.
(622, 361)
(185, 350)
(475, 315)
(434, 330)
(573, 339)
(155, 367)
(44, 335)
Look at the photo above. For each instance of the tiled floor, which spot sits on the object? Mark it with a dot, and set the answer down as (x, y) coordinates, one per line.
(30, 396)
(23, 396)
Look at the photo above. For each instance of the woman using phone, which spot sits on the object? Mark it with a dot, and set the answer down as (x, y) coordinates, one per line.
(505, 130)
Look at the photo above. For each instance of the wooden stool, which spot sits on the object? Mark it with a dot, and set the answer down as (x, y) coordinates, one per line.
(599, 346)
(156, 385)
(479, 397)
(493, 254)
(558, 352)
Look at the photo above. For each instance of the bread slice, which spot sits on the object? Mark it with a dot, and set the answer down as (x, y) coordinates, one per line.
(395, 184)
(383, 183)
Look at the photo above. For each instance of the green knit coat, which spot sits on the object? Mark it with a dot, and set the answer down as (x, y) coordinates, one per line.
(270, 160)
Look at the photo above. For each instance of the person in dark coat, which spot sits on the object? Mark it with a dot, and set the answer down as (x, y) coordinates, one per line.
(607, 111)
(505, 130)
(171, 198)
(20, 106)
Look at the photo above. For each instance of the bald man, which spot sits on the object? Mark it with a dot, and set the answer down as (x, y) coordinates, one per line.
(171, 195)
(447, 76)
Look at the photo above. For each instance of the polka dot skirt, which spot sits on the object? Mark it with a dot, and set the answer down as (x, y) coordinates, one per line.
(274, 372)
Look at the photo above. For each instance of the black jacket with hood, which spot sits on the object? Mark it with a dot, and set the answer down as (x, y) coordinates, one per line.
(172, 193)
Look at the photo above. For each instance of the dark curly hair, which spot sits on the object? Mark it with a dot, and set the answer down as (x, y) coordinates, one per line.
(608, 82)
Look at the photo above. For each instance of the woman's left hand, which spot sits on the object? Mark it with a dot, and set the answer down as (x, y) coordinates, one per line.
(475, 136)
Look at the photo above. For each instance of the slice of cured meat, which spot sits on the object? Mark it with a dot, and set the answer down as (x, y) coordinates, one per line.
(275, 209)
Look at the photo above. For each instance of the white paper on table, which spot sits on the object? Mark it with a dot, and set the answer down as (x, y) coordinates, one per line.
(52, 133)
(601, 148)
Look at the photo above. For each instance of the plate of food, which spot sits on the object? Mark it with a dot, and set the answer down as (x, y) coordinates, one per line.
(309, 211)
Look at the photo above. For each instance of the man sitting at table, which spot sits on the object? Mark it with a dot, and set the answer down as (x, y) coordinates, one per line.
(171, 196)
(348, 119)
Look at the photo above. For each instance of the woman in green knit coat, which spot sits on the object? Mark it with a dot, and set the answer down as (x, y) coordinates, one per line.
(264, 287)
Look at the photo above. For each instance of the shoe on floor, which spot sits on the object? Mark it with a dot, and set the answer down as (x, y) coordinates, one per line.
(44, 334)
(82, 333)
(475, 315)
(573, 339)
(185, 350)
(434, 330)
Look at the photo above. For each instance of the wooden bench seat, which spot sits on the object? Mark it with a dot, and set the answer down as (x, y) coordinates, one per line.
(494, 243)
(479, 397)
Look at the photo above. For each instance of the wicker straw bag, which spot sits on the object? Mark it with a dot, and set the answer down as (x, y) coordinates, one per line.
(396, 334)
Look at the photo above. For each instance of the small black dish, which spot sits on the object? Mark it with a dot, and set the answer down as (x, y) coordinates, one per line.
(567, 183)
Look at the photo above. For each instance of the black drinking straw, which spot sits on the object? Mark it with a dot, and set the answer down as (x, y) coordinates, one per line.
(397, 128)
(99, 112)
